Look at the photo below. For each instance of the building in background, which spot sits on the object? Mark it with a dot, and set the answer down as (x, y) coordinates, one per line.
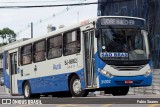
(147, 9)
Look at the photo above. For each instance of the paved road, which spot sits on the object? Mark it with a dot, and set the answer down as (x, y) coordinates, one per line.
(99, 98)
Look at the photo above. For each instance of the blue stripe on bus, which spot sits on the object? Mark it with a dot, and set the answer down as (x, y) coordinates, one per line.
(52, 83)
(98, 64)
(6, 76)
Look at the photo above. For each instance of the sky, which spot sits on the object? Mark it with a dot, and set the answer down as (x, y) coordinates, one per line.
(19, 20)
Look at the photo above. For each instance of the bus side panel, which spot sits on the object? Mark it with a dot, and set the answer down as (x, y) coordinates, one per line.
(6, 72)
(54, 83)
(52, 75)
(20, 88)
(49, 84)
(81, 74)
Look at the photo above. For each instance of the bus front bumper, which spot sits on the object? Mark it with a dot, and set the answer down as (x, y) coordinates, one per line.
(134, 81)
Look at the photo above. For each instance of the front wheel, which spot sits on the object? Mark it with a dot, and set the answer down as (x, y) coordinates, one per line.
(76, 89)
(27, 92)
(120, 91)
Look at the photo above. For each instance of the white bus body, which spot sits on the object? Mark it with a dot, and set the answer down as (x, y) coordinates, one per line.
(75, 60)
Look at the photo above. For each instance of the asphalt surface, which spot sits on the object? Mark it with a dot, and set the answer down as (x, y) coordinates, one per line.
(151, 100)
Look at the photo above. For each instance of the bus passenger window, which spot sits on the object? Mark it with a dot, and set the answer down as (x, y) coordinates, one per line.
(26, 54)
(39, 51)
(71, 42)
(54, 47)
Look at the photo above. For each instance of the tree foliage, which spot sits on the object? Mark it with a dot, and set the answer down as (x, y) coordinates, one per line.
(7, 35)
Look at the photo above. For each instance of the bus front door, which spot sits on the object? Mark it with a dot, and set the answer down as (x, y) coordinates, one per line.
(13, 73)
(90, 76)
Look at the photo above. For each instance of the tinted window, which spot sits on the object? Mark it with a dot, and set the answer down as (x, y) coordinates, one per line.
(39, 51)
(71, 42)
(54, 47)
(26, 54)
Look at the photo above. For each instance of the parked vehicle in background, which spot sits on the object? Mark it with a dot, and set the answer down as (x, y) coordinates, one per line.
(2, 81)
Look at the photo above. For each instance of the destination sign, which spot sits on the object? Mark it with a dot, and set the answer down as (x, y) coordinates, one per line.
(122, 21)
(115, 54)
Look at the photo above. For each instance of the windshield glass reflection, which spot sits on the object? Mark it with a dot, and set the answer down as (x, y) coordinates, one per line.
(128, 44)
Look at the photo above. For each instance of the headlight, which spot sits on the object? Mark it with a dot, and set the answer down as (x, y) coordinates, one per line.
(147, 73)
(108, 74)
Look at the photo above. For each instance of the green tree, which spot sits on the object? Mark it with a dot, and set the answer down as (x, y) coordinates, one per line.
(7, 35)
(2, 35)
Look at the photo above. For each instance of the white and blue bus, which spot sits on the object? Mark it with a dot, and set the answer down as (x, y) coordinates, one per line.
(109, 53)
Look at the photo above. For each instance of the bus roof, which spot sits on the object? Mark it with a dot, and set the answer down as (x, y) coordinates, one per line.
(15, 42)
(122, 17)
(65, 29)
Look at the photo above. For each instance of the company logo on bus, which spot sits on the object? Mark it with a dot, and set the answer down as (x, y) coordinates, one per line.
(109, 54)
(57, 66)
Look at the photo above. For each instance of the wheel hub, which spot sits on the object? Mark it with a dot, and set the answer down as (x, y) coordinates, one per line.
(26, 92)
(77, 86)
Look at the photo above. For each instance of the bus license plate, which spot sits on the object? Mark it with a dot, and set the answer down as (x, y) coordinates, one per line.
(128, 82)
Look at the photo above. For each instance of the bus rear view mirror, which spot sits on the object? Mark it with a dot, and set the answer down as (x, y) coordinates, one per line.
(97, 33)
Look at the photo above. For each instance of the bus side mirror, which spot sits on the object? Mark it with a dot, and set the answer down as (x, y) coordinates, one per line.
(97, 33)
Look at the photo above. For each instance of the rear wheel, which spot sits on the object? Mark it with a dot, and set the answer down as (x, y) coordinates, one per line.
(27, 92)
(76, 89)
(119, 91)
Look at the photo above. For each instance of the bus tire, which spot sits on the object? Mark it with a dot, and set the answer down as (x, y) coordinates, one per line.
(75, 87)
(27, 92)
(120, 91)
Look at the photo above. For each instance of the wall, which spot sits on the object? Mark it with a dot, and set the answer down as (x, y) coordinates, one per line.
(148, 9)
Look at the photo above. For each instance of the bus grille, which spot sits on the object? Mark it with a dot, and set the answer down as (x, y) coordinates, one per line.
(127, 68)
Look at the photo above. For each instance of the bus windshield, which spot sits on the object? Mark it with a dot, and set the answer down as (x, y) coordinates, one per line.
(124, 44)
